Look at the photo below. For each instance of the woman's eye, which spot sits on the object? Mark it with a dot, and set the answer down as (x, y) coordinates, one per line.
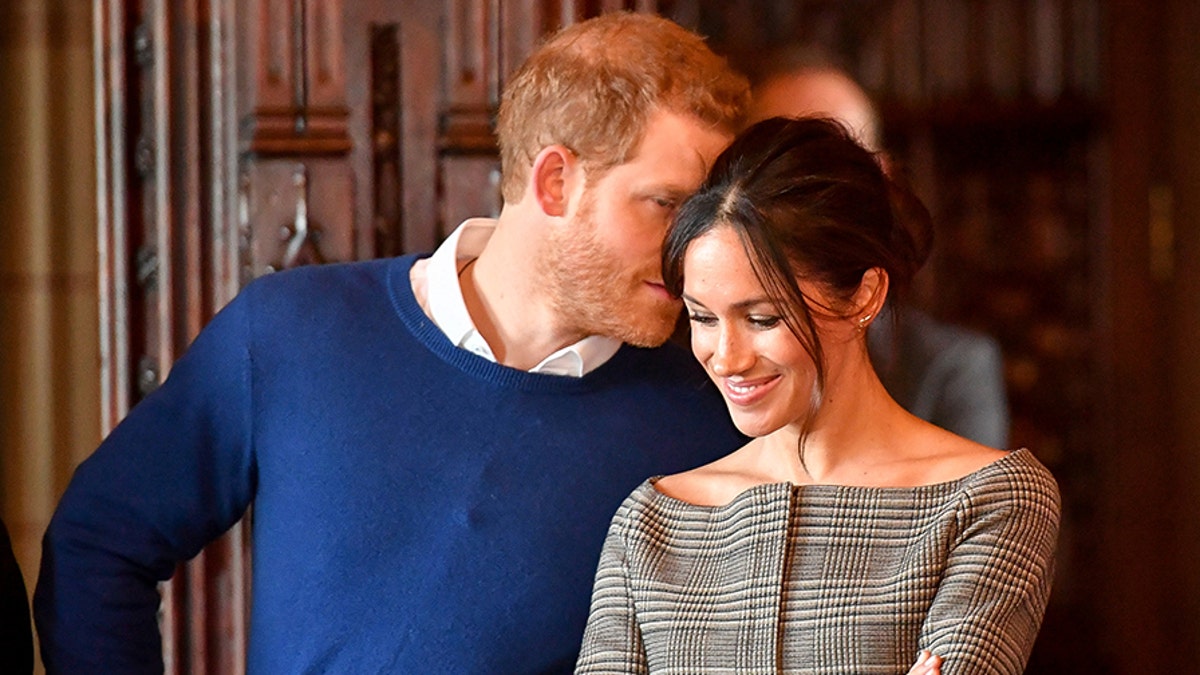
(765, 321)
(666, 203)
(702, 319)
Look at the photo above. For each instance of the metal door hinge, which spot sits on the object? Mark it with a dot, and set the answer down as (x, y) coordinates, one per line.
(143, 46)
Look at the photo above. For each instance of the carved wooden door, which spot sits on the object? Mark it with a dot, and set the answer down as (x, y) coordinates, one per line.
(240, 137)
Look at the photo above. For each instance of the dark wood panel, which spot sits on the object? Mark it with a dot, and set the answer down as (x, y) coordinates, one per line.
(421, 90)
(271, 36)
(470, 187)
(296, 214)
(1136, 474)
(1183, 234)
(324, 57)
(292, 82)
(394, 66)
(472, 77)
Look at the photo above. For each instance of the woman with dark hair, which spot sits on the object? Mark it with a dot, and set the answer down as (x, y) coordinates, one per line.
(847, 536)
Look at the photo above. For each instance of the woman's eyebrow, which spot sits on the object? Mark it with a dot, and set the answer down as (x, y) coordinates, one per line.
(740, 305)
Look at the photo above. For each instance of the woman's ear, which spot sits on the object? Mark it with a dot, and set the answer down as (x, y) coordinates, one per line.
(870, 296)
(555, 171)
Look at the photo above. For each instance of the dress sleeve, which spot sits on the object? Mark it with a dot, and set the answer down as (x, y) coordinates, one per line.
(989, 606)
(172, 476)
(612, 641)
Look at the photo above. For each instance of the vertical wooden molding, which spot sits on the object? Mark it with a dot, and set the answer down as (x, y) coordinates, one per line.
(275, 90)
(157, 186)
(275, 51)
(223, 55)
(570, 11)
(232, 595)
(1132, 501)
(1184, 102)
(324, 107)
(466, 23)
(299, 66)
(494, 54)
(190, 152)
(386, 141)
(522, 23)
(620, 5)
(112, 217)
(325, 49)
(471, 53)
(421, 64)
(155, 268)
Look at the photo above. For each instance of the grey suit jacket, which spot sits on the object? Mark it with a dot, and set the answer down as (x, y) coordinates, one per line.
(948, 375)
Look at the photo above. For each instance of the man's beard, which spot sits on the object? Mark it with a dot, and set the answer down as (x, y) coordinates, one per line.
(593, 292)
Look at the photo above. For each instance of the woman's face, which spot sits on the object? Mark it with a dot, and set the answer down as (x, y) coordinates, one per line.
(740, 337)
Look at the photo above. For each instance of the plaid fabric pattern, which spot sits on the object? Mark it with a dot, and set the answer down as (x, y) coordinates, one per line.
(829, 579)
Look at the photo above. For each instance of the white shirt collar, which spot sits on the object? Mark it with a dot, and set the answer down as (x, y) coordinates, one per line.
(449, 311)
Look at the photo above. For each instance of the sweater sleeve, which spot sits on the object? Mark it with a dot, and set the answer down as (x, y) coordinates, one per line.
(172, 476)
(989, 606)
(612, 641)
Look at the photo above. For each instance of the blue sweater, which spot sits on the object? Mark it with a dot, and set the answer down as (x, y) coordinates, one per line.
(417, 508)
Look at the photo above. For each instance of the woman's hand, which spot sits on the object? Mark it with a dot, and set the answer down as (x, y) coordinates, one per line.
(927, 663)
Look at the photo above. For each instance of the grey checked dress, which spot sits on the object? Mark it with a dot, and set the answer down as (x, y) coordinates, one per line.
(829, 579)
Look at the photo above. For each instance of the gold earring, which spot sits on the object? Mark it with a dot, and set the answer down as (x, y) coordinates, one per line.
(863, 321)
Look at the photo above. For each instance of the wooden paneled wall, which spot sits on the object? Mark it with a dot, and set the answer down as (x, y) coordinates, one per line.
(49, 361)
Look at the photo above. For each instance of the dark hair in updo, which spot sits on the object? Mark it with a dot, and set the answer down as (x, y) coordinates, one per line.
(809, 202)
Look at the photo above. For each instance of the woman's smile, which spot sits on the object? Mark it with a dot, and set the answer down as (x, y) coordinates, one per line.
(746, 392)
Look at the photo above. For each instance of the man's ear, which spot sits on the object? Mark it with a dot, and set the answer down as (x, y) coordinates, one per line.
(871, 294)
(555, 171)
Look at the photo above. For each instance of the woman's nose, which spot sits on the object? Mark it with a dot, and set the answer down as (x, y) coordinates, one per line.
(731, 355)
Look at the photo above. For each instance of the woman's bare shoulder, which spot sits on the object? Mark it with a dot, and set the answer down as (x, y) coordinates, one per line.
(948, 456)
(714, 484)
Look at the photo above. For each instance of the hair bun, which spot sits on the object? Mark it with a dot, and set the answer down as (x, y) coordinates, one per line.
(912, 231)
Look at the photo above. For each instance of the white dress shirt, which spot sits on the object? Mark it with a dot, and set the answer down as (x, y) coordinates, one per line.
(445, 304)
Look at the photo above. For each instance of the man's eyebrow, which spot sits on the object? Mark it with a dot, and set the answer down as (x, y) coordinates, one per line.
(673, 191)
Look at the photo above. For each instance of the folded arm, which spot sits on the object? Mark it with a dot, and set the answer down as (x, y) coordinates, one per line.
(989, 606)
